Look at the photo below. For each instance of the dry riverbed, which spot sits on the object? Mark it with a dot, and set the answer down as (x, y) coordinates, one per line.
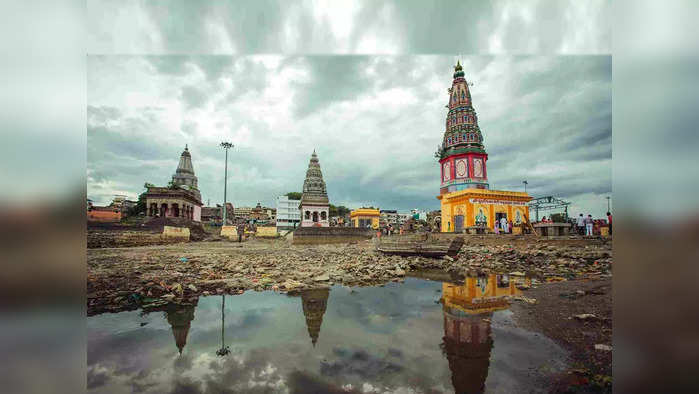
(569, 299)
(130, 278)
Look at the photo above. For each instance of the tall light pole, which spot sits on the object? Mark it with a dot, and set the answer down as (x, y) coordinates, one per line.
(525, 185)
(608, 203)
(226, 146)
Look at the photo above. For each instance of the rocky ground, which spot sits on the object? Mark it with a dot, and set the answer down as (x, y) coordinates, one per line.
(129, 278)
(569, 299)
(577, 315)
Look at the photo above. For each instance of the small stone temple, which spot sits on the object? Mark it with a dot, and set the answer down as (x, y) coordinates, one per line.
(181, 198)
(314, 206)
(465, 194)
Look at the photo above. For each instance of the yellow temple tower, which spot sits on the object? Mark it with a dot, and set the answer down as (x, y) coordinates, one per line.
(465, 194)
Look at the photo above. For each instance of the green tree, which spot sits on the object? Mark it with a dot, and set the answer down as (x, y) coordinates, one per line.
(294, 195)
(140, 205)
(338, 210)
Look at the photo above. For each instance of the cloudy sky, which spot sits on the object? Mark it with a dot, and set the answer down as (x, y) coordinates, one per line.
(358, 86)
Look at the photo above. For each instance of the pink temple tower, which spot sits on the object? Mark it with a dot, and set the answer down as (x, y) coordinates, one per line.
(462, 156)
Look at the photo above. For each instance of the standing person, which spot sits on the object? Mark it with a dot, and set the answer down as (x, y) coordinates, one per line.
(581, 224)
(503, 224)
(497, 227)
(609, 220)
(240, 229)
(588, 225)
(509, 226)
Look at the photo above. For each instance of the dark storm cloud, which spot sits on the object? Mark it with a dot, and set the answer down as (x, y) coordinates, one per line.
(375, 122)
(369, 26)
(194, 97)
(358, 362)
(96, 378)
(332, 79)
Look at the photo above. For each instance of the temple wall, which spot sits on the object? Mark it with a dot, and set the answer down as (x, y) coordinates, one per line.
(329, 235)
(483, 204)
(103, 216)
(267, 231)
(196, 214)
(309, 222)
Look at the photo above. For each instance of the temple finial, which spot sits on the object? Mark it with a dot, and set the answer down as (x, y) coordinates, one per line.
(458, 66)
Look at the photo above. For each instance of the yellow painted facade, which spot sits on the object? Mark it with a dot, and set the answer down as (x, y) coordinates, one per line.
(365, 214)
(474, 205)
(267, 231)
(481, 294)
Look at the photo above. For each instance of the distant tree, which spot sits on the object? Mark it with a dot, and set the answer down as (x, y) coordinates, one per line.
(140, 205)
(294, 195)
(558, 217)
(338, 210)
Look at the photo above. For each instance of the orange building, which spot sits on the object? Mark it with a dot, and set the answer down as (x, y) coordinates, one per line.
(103, 214)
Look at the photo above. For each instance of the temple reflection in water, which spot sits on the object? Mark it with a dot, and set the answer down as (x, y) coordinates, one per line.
(314, 303)
(180, 317)
(467, 338)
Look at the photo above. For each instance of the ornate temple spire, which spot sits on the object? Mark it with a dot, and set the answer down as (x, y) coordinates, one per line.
(314, 191)
(462, 130)
(180, 319)
(461, 154)
(184, 175)
(314, 303)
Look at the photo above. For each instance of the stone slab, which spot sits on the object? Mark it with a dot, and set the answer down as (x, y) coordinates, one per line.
(171, 232)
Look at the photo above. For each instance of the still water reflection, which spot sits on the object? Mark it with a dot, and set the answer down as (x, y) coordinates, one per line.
(416, 336)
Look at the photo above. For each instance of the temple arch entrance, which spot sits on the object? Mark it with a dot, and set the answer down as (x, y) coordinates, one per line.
(315, 216)
(323, 216)
(176, 210)
(163, 210)
(459, 223)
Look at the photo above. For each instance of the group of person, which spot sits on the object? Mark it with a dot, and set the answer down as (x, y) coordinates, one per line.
(503, 226)
(586, 225)
(242, 227)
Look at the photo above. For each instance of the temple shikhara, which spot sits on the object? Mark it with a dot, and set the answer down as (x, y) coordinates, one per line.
(315, 206)
(181, 198)
(465, 194)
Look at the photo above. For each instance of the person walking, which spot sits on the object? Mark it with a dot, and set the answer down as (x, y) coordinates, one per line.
(240, 229)
(581, 224)
(588, 225)
(503, 224)
(497, 227)
(509, 226)
(609, 220)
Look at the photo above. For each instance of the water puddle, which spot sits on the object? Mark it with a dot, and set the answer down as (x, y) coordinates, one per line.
(417, 336)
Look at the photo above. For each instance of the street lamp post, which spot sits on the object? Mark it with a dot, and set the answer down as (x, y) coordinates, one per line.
(226, 146)
(608, 203)
(525, 185)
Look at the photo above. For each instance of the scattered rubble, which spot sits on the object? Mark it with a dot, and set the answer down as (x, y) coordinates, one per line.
(125, 278)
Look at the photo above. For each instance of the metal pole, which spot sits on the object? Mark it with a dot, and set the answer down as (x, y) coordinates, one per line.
(608, 204)
(226, 146)
(223, 319)
(225, 187)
